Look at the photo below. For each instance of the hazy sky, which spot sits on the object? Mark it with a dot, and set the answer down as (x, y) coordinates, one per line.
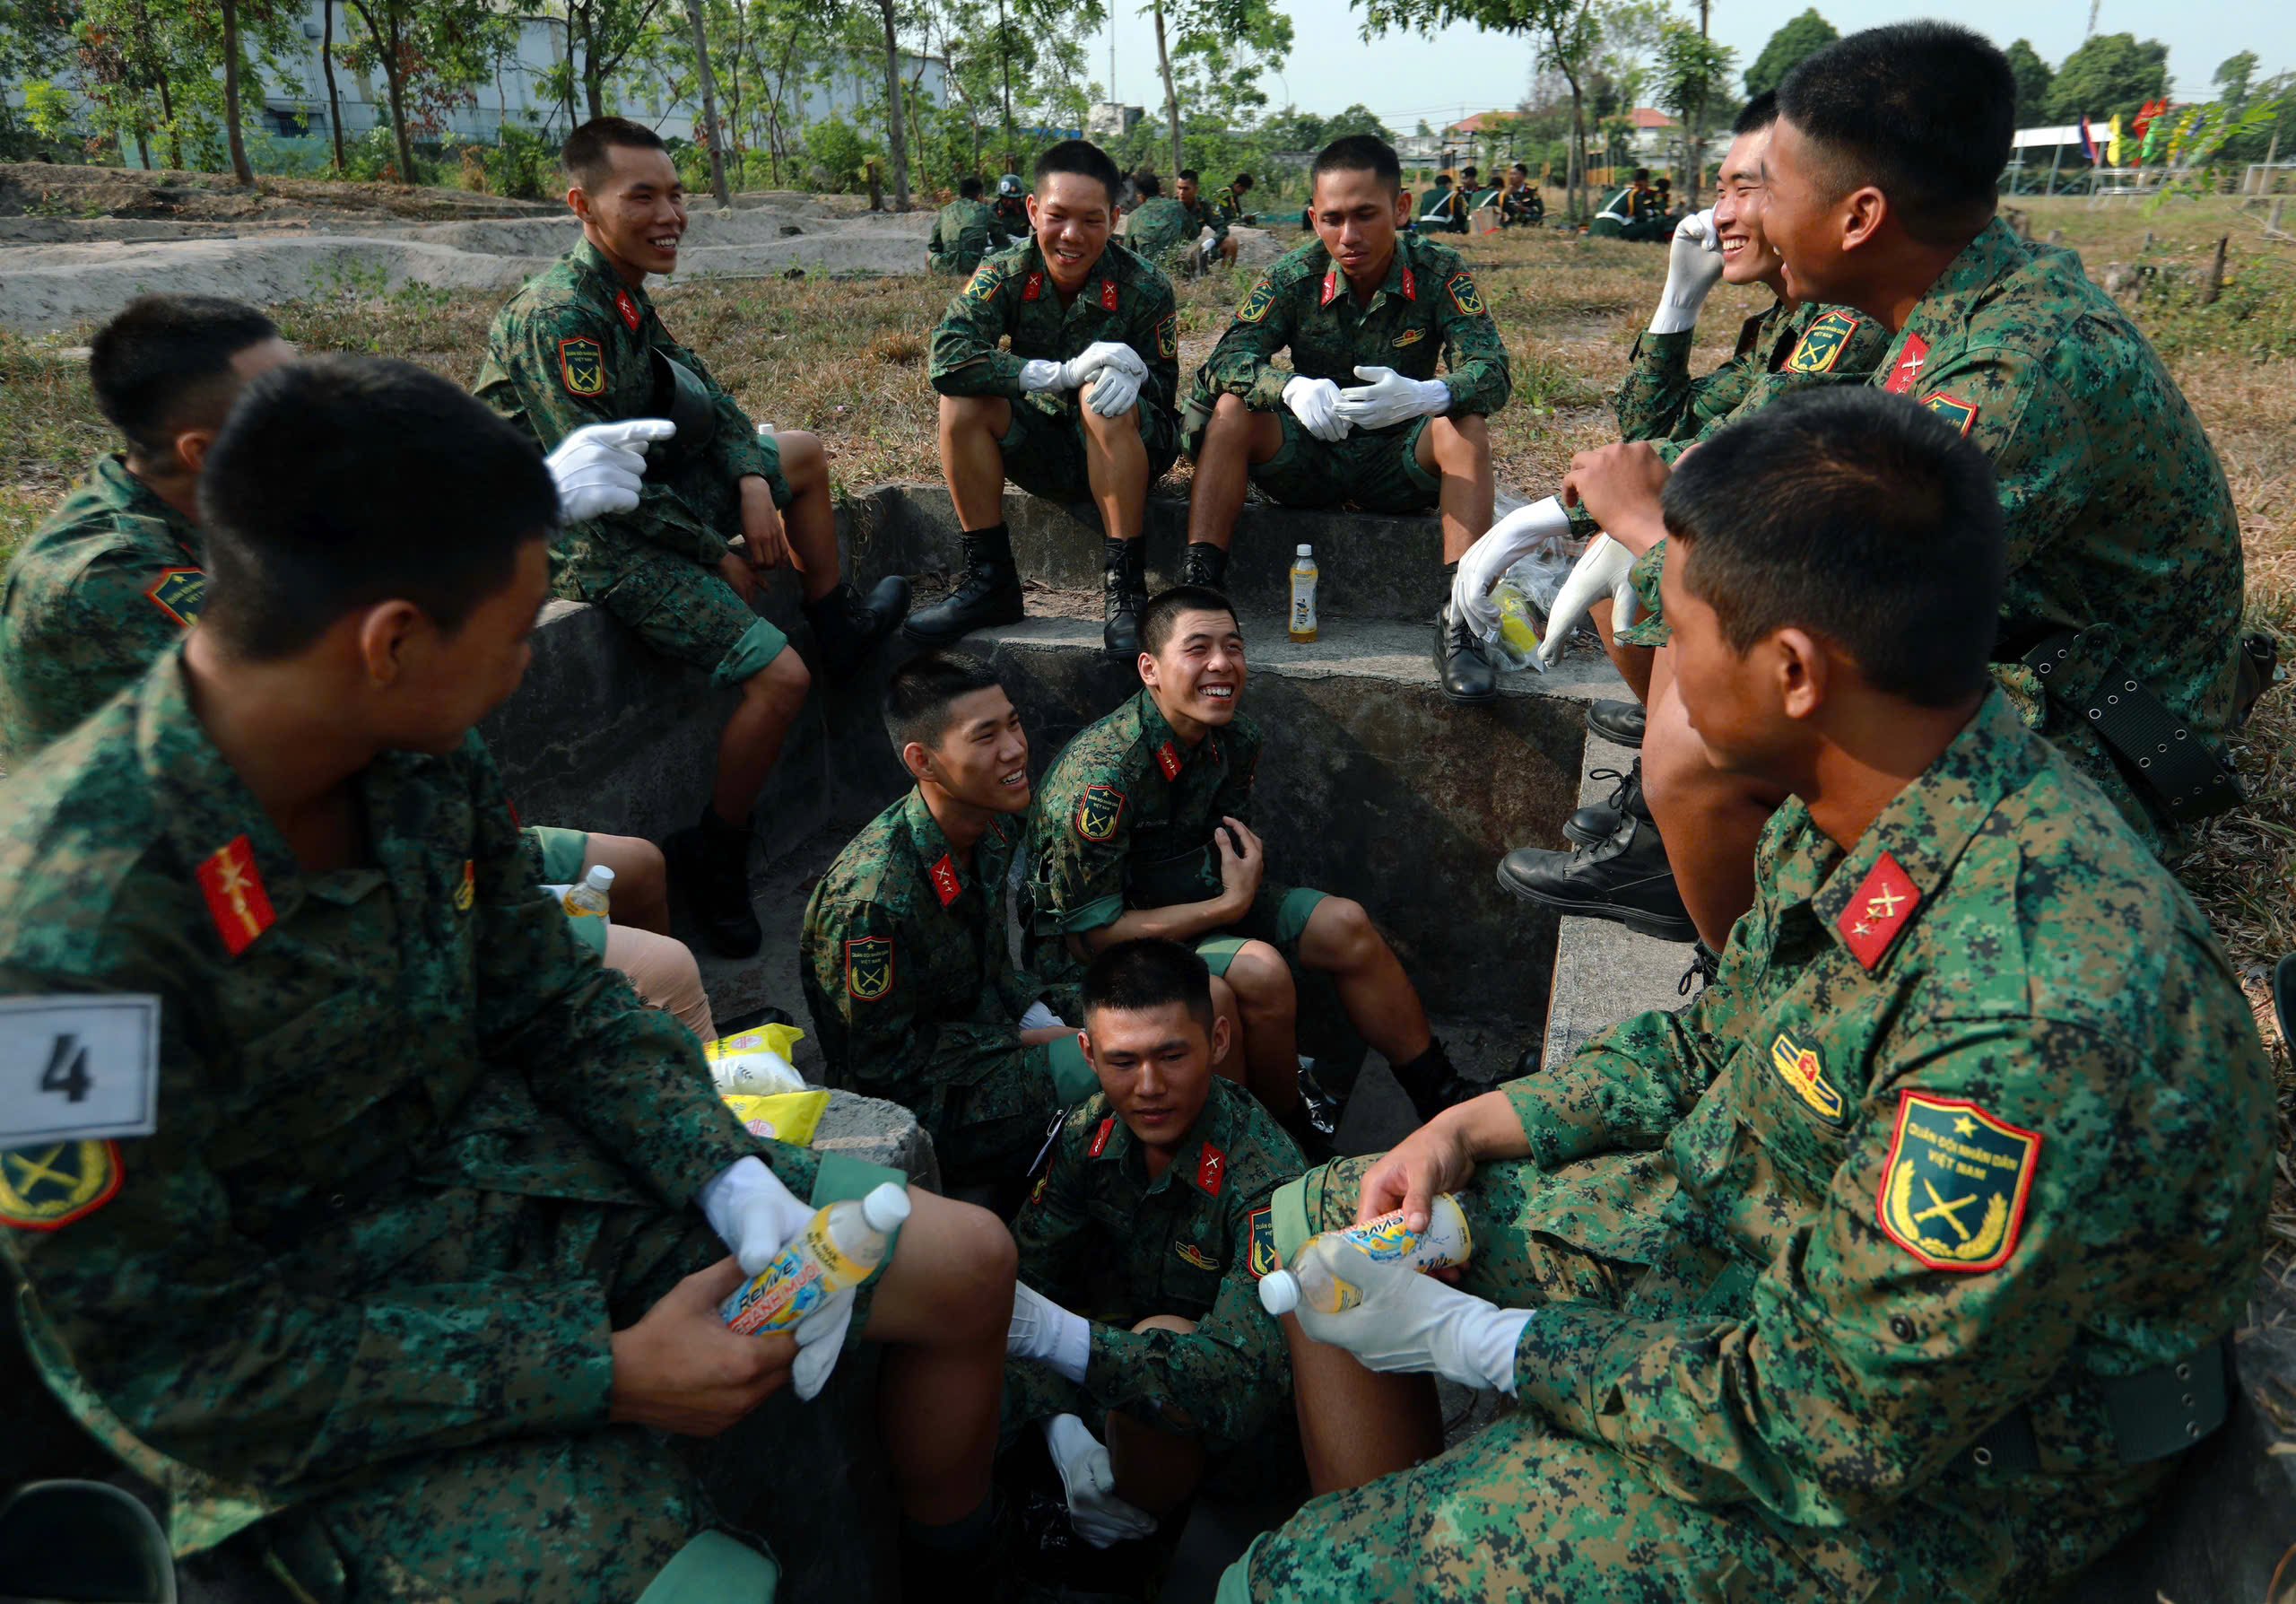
(1405, 78)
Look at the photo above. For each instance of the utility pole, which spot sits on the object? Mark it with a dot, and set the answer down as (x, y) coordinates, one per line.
(2091, 32)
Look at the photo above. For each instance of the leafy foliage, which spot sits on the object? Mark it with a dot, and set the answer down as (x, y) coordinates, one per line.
(1800, 39)
(2110, 75)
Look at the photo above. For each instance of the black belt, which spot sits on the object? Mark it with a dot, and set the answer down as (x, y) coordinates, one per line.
(2184, 774)
(2151, 1414)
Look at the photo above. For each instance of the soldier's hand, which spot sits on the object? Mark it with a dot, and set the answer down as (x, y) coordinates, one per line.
(761, 527)
(601, 467)
(680, 1370)
(1431, 1160)
(1620, 486)
(1243, 861)
(734, 565)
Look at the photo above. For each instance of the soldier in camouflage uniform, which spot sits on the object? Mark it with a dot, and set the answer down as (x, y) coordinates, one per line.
(1203, 215)
(1897, 1266)
(1360, 418)
(1161, 231)
(913, 991)
(1141, 1246)
(1234, 202)
(1056, 368)
(964, 230)
(435, 1219)
(1142, 827)
(582, 343)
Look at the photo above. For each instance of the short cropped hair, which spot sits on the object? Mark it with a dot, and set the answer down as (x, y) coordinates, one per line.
(587, 153)
(1858, 516)
(1359, 153)
(1243, 181)
(1147, 183)
(1642, 175)
(1161, 616)
(164, 357)
(1133, 977)
(968, 187)
(1923, 111)
(1190, 174)
(1758, 114)
(340, 482)
(916, 702)
(1085, 160)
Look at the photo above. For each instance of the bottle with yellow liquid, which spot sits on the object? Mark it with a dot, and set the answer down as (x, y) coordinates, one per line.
(841, 1246)
(1304, 574)
(589, 899)
(1317, 1277)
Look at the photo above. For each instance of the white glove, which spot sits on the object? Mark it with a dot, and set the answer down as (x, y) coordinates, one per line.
(1044, 1333)
(752, 1213)
(1041, 373)
(1099, 1516)
(1391, 399)
(1604, 567)
(599, 466)
(1311, 401)
(1507, 543)
(1693, 268)
(821, 1337)
(1040, 1017)
(1115, 391)
(1411, 1322)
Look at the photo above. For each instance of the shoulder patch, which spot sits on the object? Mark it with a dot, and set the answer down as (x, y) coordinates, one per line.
(1331, 288)
(1167, 336)
(1255, 304)
(1168, 761)
(1035, 1192)
(1878, 911)
(1107, 295)
(1464, 294)
(1033, 289)
(1212, 1169)
(1101, 1137)
(1191, 1254)
(628, 308)
(466, 894)
(1806, 1072)
(1410, 285)
(1956, 1182)
(582, 364)
(1260, 1231)
(236, 899)
(1960, 415)
(869, 967)
(1097, 811)
(946, 886)
(1906, 371)
(982, 284)
(46, 1189)
(1820, 348)
(178, 592)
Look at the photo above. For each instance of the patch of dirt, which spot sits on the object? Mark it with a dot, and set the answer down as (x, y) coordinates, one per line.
(55, 191)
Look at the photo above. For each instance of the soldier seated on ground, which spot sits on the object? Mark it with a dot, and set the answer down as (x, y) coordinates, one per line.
(1202, 214)
(420, 1271)
(1899, 1263)
(723, 505)
(1235, 200)
(1445, 209)
(964, 230)
(1156, 229)
(1360, 418)
(1624, 204)
(114, 578)
(1080, 406)
(904, 957)
(1138, 1346)
(1143, 827)
(1012, 207)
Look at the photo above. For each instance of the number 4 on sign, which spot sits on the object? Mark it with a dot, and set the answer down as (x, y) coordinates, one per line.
(76, 1068)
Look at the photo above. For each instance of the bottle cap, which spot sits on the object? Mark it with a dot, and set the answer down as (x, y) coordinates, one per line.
(885, 1208)
(1279, 1292)
(1306, 550)
(600, 878)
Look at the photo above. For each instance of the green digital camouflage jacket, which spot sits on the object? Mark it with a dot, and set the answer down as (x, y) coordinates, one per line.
(914, 994)
(342, 1057)
(1098, 1236)
(1974, 1117)
(574, 347)
(1204, 215)
(111, 581)
(1158, 229)
(2121, 525)
(1011, 295)
(1123, 818)
(1429, 306)
(963, 232)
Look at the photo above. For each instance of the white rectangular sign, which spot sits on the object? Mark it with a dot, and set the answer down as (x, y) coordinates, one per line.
(72, 1068)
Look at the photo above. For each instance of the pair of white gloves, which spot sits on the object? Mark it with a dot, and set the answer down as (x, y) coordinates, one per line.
(756, 1216)
(1327, 412)
(1117, 367)
(1044, 1333)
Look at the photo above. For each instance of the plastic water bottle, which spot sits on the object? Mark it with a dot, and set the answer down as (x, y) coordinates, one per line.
(1303, 595)
(838, 1249)
(589, 899)
(1318, 1278)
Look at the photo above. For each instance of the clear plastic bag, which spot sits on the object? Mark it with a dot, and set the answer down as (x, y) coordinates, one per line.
(1525, 597)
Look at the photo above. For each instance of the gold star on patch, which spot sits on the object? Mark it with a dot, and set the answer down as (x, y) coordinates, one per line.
(1965, 1126)
(1862, 929)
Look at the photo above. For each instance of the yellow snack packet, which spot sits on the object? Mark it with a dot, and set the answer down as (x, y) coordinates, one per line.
(790, 1117)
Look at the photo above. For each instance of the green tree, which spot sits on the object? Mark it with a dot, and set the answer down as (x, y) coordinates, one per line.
(429, 52)
(2112, 74)
(2033, 81)
(2234, 78)
(1694, 76)
(1216, 39)
(1801, 38)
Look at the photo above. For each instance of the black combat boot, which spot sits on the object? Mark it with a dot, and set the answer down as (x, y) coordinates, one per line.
(1313, 1124)
(1206, 565)
(1431, 1083)
(1466, 671)
(1625, 878)
(1621, 723)
(709, 867)
(987, 593)
(1599, 821)
(847, 630)
(1124, 580)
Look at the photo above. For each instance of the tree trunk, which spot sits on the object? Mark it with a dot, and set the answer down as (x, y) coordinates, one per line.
(1171, 95)
(709, 105)
(896, 134)
(1578, 208)
(391, 75)
(168, 116)
(326, 65)
(232, 134)
(1005, 65)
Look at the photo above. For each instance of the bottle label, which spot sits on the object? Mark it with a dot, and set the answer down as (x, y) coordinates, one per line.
(1303, 604)
(575, 910)
(802, 1277)
(1385, 1237)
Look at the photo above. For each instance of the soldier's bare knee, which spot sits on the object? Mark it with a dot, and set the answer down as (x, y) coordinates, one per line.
(960, 414)
(1462, 441)
(1179, 1325)
(1262, 978)
(783, 683)
(804, 464)
(1346, 932)
(1126, 422)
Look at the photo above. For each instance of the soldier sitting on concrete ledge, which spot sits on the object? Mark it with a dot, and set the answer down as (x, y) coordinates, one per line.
(1143, 827)
(1078, 407)
(418, 1273)
(1138, 1345)
(904, 958)
(1360, 418)
(1900, 1263)
(582, 343)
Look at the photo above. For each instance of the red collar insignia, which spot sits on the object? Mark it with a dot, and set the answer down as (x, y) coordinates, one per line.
(1107, 295)
(236, 900)
(1906, 372)
(946, 881)
(1033, 288)
(1168, 759)
(1878, 910)
(1101, 1137)
(1331, 288)
(629, 309)
(1410, 286)
(1212, 1170)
